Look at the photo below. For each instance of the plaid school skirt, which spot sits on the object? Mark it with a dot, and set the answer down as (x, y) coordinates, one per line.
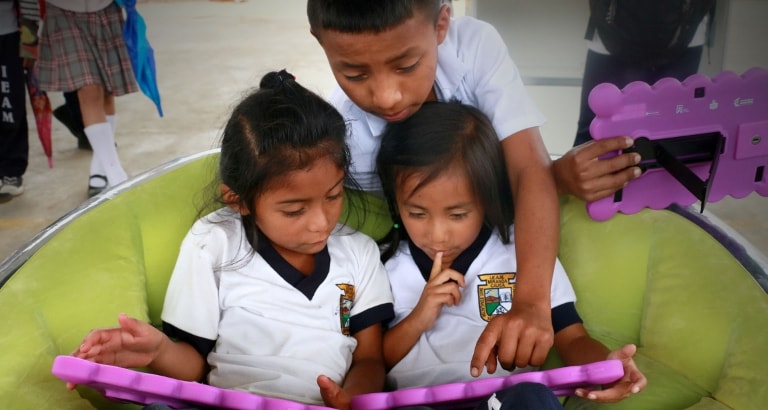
(79, 49)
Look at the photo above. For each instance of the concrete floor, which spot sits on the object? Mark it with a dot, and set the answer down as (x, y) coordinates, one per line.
(208, 53)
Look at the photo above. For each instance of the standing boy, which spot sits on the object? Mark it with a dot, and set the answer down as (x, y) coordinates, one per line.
(389, 57)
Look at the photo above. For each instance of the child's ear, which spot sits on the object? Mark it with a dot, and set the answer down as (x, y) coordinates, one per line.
(233, 200)
(443, 22)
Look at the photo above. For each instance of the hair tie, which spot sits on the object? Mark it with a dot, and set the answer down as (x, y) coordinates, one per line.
(284, 75)
(275, 80)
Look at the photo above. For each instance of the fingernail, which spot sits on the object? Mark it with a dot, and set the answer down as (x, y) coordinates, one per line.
(636, 172)
(474, 372)
(628, 142)
(592, 396)
(635, 389)
(636, 158)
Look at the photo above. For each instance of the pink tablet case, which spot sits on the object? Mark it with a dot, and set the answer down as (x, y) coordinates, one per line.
(700, 140)
(133, 386)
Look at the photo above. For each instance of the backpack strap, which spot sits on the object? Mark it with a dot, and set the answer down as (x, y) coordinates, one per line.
(598, 10)
(710, 38)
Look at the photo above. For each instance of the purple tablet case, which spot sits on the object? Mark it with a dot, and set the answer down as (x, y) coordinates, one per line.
(128, 385)
(699, 140)
(562, 381)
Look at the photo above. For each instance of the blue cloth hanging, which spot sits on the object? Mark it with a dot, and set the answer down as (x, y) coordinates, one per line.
(141, 53)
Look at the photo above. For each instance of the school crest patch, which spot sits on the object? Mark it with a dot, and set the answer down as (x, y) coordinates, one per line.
(345, 305)
(494, 293)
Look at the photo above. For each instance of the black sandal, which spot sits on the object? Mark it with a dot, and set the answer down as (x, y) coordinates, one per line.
(95, 190)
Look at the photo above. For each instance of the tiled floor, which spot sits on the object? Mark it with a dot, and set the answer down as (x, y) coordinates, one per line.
(209, 52)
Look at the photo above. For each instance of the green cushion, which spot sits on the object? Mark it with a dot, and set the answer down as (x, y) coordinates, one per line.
(72, 285)
(708, 403)
(115, 258)
(165, 209)
(607, 264)
(367, 213)
(657, 280)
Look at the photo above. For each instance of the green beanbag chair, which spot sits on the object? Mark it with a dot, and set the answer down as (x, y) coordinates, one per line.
(691, 298)
(695, 305)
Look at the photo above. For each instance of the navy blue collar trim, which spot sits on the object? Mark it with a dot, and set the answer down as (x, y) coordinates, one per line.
(303, 283)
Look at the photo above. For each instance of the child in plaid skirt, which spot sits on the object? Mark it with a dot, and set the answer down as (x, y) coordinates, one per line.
(82, 49)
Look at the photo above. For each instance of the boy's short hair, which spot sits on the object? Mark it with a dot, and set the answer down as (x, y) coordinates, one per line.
(358, 16)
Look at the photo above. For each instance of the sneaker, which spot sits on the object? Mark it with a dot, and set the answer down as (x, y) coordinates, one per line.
(12, 186)
(62, 114)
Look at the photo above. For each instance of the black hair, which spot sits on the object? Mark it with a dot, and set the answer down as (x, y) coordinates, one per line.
(279, 128)
(358, 16)
(442, 135)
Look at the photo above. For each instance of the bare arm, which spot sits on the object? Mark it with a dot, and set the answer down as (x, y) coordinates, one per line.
(365, 375)
(367, 371)
(138, 344)
(575, 347)
(524, 335)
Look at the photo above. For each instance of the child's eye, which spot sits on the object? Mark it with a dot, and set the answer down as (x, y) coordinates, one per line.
(415, 215)
(409, 68)
(353, 78)
(293, 213)
(458, 216)
(335, 197)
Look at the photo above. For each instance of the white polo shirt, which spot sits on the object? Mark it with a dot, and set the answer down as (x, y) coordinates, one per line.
(275, 329)
(474, 67)
(443, 353)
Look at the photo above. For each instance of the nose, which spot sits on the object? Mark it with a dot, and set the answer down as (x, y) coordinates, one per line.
(318, 220)
(438, 232)
(386, 93)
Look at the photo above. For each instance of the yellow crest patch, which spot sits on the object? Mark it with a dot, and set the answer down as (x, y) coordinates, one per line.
(345, 305)
(494, 293)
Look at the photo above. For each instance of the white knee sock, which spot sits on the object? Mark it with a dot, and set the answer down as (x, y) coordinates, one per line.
(96, 167)
(102, 141)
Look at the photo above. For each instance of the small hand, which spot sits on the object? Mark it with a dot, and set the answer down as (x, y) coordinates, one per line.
(442, 289)
(518, 338)
(580, 172)
(333, 395)
(133, 344)
(632, 382)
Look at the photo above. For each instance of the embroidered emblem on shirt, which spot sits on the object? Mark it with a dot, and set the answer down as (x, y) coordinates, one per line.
(345, 305)
(494, 294)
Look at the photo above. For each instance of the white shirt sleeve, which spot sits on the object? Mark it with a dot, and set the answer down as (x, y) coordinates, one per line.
(192, 299)
(494, 79)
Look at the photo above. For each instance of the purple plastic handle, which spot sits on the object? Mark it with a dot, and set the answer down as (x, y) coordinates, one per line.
(562, 381)
(132, 386)
(735, 106)
(128, 385)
